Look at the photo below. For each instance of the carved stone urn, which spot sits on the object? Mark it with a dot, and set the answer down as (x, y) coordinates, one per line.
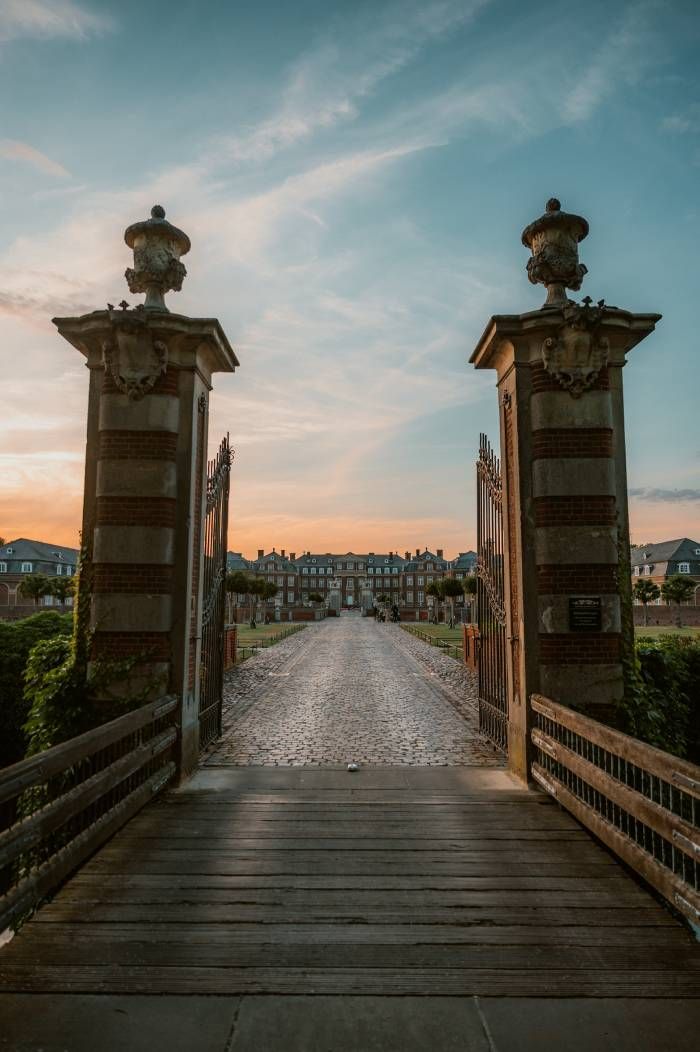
(553, 240)
(157, 247)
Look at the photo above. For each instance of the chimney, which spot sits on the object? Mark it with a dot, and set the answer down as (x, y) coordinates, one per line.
(439, 553)
(283, 553)
(261, 553)
(417, 552)
(408, 557)
(292, 556)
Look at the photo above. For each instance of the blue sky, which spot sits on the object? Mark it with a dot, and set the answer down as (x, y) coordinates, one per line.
(354, 178)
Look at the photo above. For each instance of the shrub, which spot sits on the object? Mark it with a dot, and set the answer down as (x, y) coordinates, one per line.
(17, 638)
(664, 703)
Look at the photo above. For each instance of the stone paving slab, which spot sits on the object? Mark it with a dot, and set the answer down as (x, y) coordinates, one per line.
(109, 1023)
(351, 690)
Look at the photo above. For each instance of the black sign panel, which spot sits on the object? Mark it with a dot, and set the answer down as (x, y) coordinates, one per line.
(585, 613)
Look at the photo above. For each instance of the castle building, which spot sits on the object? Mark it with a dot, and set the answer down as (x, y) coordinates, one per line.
(353, 580)
(658, 562)
(22, 558)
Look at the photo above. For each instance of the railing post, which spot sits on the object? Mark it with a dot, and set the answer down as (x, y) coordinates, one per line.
(145, 483)
(559, 376)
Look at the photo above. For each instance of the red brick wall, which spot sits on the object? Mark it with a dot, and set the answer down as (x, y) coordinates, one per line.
(230, 643)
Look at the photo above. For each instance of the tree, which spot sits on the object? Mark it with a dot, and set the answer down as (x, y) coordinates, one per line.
(237, 584)
(435, 588)
(35, 586)
(62, 588)
(315, 597)
(678, 589)
(451, 587)
(646, 592)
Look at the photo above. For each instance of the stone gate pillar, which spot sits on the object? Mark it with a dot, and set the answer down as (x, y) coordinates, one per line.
(559, 380)
(145, 473)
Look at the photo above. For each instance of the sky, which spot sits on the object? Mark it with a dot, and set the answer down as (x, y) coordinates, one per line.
(354, 177)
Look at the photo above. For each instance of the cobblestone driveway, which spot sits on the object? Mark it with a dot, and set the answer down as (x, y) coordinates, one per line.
(351, 690)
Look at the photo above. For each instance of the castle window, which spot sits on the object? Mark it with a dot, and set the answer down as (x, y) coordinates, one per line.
(683, 567)
(26, 568)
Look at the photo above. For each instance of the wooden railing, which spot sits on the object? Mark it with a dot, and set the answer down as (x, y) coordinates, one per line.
(644, 804)
(57, 807)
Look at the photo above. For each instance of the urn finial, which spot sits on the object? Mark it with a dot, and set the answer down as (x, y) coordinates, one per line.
(157, 247)
(553, 240)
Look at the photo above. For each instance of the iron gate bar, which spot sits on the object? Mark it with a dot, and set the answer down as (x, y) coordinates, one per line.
(491, 612)
(211, 683)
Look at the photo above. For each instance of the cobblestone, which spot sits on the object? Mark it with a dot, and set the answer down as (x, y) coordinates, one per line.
(349, 690)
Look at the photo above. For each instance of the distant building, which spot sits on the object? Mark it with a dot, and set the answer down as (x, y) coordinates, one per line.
(21, 558)
(353, 580)
(658, 562)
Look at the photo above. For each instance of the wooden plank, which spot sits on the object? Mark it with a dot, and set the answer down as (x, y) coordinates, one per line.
(673, 888)
(196, 913)
(658, 818)
(329, 933)
(61, 951)
(37, 769)
(39, 882)
(672, 769)
(581, 892)
(226, 845)
(31, 831)
(377, 981)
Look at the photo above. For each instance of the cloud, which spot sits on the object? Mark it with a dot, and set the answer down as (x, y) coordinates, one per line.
(622, 57)
(44, 19)
(683, 123)
(13, 150)
(665, 496)
(327, 84)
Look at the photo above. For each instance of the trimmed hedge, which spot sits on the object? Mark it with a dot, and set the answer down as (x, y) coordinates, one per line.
(17, 638)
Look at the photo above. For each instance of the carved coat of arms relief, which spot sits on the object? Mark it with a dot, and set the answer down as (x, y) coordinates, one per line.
(578, 352)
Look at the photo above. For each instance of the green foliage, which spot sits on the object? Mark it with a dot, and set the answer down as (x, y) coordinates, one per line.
(237, 582)
(663, 704)
(678, 589)
(315, 597)
(62, 588)
(452, 587)
(469, 585)
(59, 693)
(646, 591)
(34, 586)
(17, 638)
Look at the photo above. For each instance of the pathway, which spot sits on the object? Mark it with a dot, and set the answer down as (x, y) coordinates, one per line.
(421, 906)
(351, 690)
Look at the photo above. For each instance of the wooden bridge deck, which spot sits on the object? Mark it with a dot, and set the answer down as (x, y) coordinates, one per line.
(390, 881)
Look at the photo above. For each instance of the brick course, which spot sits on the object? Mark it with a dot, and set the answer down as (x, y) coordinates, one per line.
(572, 442)
(574, 511)
(574, 578)
(167, 383)
(118, 645)
(144, 579)
(542, 381)
(580, 648)
(137, 445)
(135, 511)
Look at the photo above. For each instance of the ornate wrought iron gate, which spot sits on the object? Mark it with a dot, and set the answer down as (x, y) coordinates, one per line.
(490, 592)
(214, 594)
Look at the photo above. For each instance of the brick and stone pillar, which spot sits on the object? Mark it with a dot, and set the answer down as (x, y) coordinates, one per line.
(559, 373)
(145, 473)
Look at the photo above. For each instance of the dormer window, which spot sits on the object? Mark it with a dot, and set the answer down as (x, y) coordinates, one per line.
(647, 571)
(3, 567)
(636, 571)
(683, 567)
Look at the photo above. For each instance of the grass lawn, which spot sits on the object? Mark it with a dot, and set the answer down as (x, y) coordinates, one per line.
(454, 635)
(666, 630)
(264, 634)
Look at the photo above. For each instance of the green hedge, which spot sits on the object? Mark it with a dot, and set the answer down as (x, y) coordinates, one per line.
(16, 640)
(663, 708)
